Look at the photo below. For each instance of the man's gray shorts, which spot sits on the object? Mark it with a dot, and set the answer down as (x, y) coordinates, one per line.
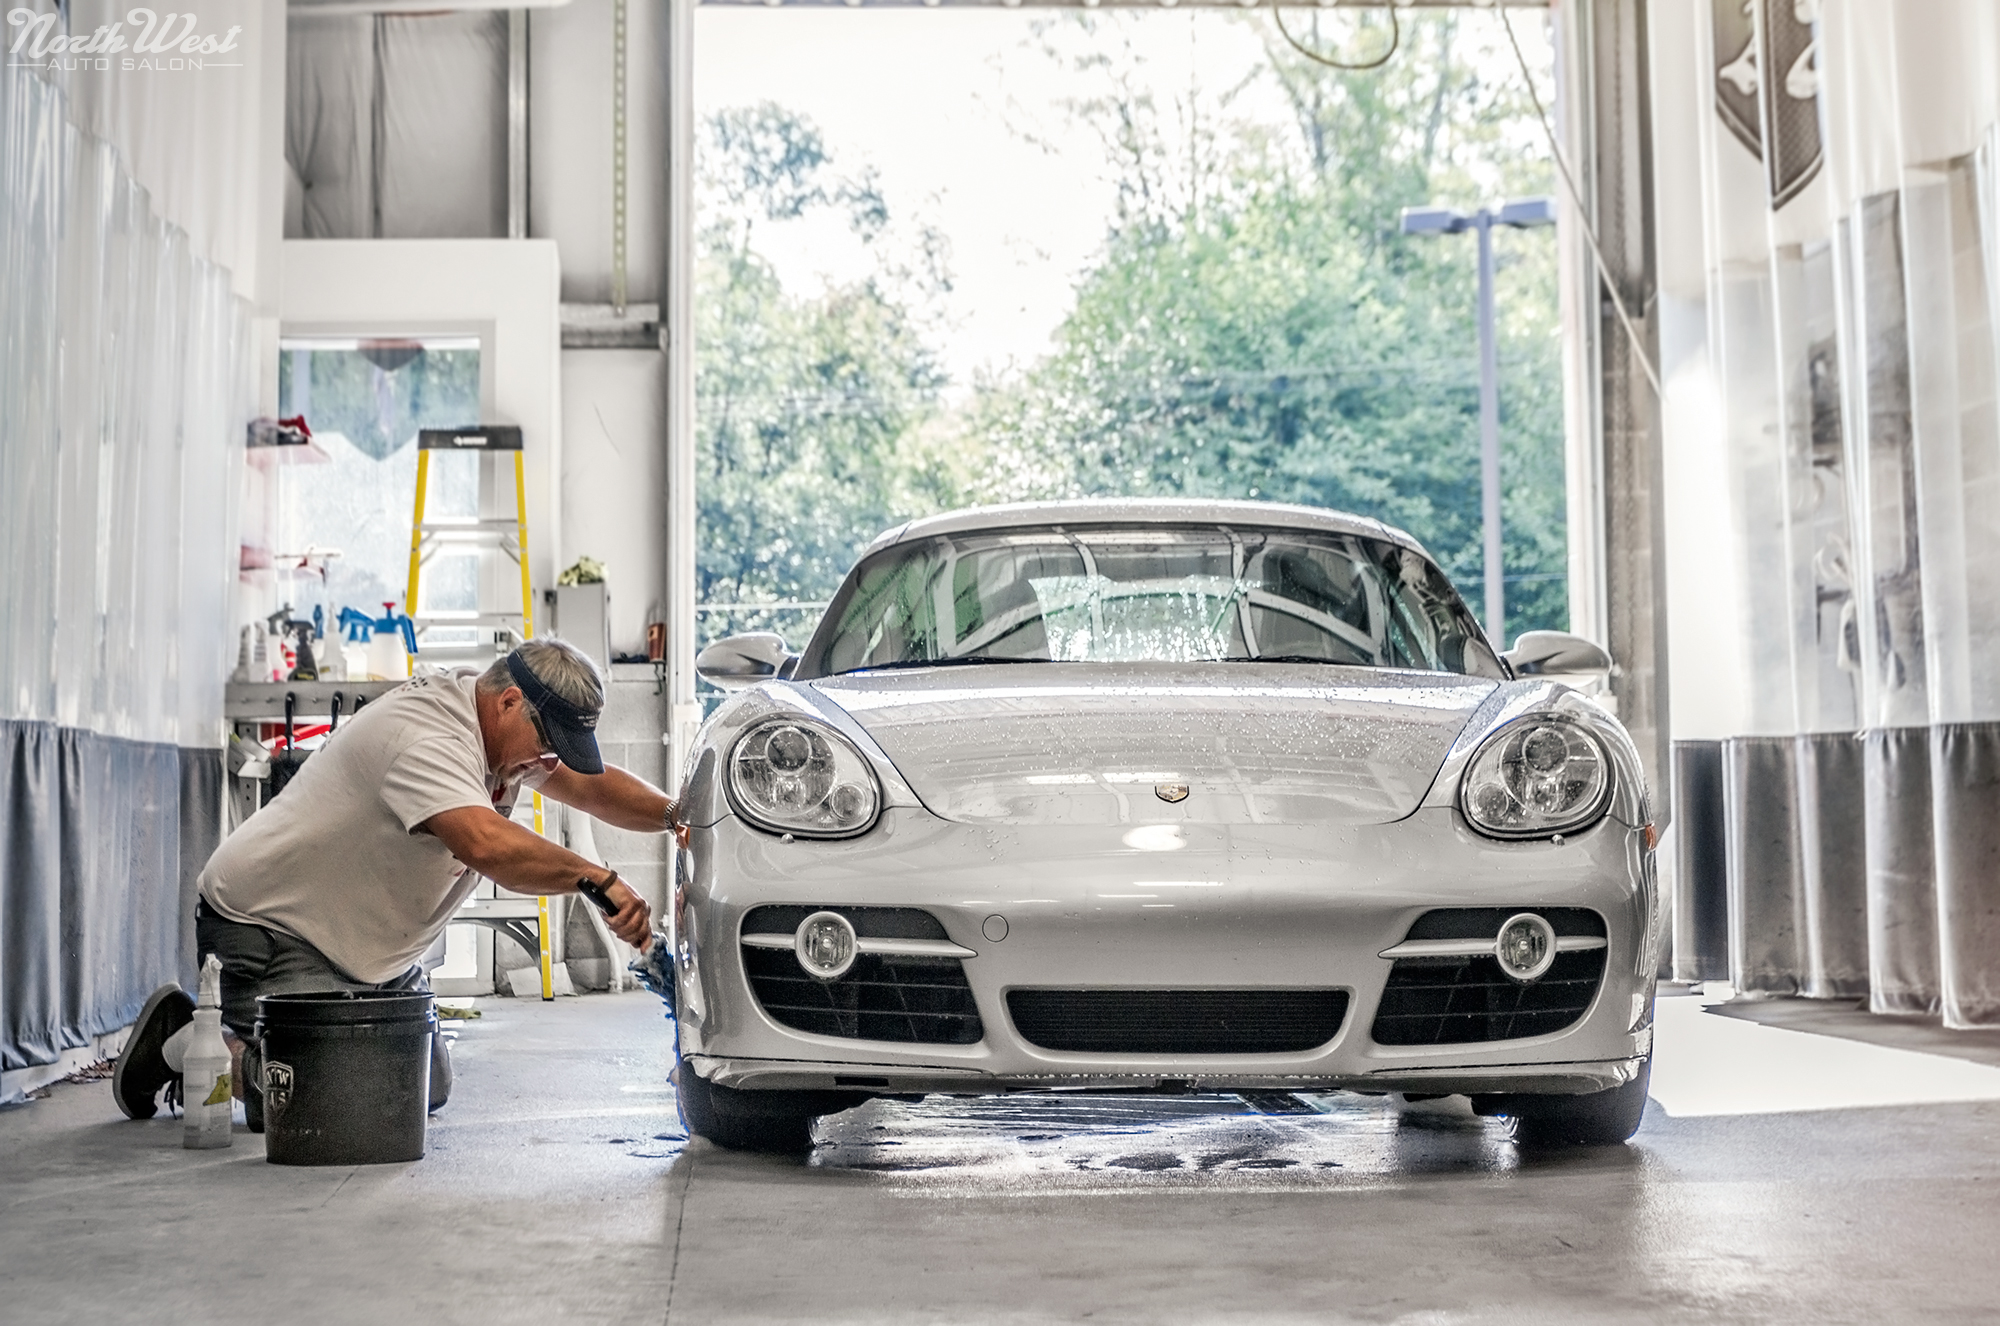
(257, 961)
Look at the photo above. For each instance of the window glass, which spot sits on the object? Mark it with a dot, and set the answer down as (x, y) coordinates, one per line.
(337, 532)
(1166, 595)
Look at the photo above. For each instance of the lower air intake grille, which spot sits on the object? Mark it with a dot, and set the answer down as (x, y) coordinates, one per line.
(881, 998)
(1455, 1001)
(1178, 1021)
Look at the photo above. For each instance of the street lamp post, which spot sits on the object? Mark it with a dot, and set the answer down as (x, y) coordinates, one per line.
(1521, 214)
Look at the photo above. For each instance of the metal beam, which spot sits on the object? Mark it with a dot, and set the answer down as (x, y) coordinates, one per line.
(1616, 510)
(517, 124)
(1121, 4)
(676, 323)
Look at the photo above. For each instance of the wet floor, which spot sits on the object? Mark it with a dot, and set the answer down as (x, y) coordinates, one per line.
(1781, 1175)
(1043, 1143)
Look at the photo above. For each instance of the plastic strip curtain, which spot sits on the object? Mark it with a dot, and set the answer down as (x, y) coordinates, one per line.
(124, 390)
(1850, 208)
(396, 126)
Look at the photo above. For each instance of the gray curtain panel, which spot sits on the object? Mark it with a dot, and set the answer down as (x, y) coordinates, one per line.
(203, 778)
(1965, 817)
(1761, 839)
(1902, 893)
(1701, 870)
(1833, 872)
(91, 882)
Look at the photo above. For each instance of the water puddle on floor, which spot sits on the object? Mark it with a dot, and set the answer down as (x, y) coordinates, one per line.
(1261, 1140)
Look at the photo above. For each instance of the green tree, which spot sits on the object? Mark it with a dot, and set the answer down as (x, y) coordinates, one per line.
(814, 413)
(1258, 328)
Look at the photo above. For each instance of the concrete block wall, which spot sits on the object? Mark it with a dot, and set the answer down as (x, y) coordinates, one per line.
(628, 733)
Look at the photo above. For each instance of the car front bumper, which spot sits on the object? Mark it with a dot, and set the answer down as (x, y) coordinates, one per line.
(1195, 906)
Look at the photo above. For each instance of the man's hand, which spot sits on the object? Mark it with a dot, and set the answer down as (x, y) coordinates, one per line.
(633, 921)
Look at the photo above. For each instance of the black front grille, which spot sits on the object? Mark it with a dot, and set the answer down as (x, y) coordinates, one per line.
(1453, 1001)
(880, 998)
(1485, 922)
(1178, 1021)
(868, 922)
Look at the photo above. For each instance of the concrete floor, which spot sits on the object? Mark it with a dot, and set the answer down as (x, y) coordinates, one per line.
(1786, 1172)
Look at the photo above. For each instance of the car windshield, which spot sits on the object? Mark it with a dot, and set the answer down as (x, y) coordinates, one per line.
(1153, 594)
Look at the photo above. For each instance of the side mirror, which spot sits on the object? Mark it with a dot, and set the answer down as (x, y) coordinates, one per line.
(1556, 653)
(736, 661)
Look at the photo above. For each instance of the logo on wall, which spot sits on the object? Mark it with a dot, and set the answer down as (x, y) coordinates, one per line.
(1767, 87)
(156, 44)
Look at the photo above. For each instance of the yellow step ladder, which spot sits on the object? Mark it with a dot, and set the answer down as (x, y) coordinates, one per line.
(489, 537)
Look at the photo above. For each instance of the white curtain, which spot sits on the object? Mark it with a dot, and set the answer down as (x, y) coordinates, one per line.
(1849, 199)
(126, 382)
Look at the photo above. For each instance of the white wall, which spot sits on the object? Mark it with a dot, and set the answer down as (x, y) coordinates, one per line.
(505, 291)
(614, 404)
(569, 145)
(614, 480)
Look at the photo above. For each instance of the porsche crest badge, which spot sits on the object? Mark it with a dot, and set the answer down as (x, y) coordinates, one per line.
(1170, 792)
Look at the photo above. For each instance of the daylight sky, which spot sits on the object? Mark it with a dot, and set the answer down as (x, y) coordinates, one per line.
(946, 105)
(962, 113)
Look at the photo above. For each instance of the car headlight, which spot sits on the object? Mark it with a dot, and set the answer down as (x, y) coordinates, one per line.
(1536, 777)
(792, 775)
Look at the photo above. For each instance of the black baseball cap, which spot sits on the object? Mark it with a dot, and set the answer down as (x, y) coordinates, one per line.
(571, 729)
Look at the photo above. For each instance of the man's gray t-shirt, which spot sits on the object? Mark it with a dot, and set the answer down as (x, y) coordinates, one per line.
(337, 859)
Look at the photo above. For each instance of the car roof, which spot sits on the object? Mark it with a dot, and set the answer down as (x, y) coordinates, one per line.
(1143, 511)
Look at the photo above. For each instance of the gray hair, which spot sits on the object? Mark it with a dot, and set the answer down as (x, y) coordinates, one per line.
(569, 672)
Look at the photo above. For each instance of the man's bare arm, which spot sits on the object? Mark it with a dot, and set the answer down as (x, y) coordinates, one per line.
(525, 862)
(620, 799)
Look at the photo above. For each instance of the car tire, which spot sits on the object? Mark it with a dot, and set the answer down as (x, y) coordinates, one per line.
(1599, 1118)
(771, 1122)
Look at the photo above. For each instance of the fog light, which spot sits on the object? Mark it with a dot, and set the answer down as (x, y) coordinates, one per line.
(1526, 948)
(825, 945)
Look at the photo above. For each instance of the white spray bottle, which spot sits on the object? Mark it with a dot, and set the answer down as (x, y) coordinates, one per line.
(207, 1095)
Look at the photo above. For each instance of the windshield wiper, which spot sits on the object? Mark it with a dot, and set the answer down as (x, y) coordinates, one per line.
(936, 663)
(1295, 658)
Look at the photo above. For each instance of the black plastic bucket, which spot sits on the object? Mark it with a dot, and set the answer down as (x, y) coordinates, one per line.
(347, 1075)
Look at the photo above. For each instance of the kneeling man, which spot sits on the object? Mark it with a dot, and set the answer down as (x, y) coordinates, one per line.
(344, 880)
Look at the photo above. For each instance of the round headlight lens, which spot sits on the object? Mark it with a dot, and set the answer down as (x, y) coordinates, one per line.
(825, 945)
(1535, 777)
(1527, 946)
(792, 775)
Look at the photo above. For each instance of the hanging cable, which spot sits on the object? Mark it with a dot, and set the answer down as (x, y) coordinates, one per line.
(1395, 40)
(618, 158)
(1582, 213)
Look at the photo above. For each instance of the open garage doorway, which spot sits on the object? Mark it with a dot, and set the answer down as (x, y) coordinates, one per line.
(987, 255)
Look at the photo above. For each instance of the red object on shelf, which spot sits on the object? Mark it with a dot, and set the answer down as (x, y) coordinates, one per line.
(300, 732)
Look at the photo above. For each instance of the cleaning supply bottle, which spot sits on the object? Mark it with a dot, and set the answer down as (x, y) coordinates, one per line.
(260, 654)
(207, 1090)
(395, 639)
(242, 672)
(359, 628)
(327, 652)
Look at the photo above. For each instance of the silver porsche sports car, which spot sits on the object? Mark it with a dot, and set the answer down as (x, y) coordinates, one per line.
(1160, 795)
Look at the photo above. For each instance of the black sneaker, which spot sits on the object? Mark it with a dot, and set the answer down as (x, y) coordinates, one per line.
(142, 1070)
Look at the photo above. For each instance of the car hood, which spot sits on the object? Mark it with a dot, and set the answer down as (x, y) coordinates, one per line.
(1056, 743)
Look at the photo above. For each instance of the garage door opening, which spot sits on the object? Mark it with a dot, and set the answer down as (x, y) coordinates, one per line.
(969, 256)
